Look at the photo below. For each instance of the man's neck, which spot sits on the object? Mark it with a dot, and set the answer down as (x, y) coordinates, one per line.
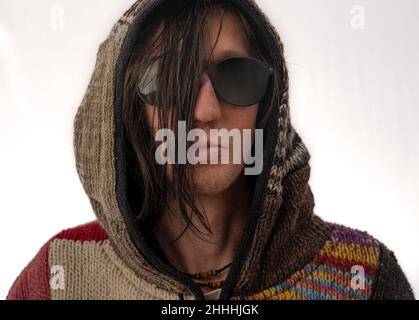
(226, 213)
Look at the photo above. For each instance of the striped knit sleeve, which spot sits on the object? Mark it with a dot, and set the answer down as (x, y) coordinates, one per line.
(33, 281)
(390, 282)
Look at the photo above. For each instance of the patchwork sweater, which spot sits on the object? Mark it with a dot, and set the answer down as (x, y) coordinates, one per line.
(286, 251)
(351, 266)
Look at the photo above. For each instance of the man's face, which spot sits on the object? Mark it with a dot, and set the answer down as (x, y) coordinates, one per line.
(213, 113)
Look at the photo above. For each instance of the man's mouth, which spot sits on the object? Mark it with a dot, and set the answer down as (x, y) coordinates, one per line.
(206, 148)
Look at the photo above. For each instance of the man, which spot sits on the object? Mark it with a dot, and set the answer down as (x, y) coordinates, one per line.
(169, 229)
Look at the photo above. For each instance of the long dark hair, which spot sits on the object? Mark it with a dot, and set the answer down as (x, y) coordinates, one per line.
(183, 32)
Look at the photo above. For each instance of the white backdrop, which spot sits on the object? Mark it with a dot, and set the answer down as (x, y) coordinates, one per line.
(354, 99)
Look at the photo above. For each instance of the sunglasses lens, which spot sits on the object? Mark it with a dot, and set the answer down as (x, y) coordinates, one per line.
(147, 85)
(241, 81)
(238, 81)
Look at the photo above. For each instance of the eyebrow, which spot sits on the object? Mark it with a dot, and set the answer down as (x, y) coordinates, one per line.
(230, 53)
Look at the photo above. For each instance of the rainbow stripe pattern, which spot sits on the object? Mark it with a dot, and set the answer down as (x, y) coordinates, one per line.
(343, 270)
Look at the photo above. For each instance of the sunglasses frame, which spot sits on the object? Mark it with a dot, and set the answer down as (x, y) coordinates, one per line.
(210, 67)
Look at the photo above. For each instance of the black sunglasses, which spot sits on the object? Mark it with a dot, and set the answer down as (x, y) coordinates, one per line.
(240, 81)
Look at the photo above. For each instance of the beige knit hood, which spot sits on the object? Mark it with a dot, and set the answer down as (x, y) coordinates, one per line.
(281, 234)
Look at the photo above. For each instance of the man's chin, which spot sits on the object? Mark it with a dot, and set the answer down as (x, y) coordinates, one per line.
(213, 179)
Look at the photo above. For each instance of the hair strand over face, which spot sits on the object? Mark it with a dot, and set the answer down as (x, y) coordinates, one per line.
(178, 50)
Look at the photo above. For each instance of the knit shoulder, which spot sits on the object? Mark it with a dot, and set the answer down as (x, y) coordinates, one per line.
(91, 231)
(344, 269)
(33, 283)
(346, 266)
(385, 277)
(348, 248)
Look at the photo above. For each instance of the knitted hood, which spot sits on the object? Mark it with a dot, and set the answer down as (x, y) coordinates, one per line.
(281, 233)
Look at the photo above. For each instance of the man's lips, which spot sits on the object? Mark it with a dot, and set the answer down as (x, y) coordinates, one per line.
(208, 145)
(208, 149)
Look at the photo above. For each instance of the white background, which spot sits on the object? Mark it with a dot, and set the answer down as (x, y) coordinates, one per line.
(354, 99)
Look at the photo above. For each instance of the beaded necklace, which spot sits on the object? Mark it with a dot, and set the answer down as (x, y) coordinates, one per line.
(208, 274)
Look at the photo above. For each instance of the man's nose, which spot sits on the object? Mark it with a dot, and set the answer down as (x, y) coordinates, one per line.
(207, 108)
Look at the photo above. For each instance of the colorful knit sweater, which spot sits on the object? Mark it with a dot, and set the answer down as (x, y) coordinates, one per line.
(94, 271)
(286, 251)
